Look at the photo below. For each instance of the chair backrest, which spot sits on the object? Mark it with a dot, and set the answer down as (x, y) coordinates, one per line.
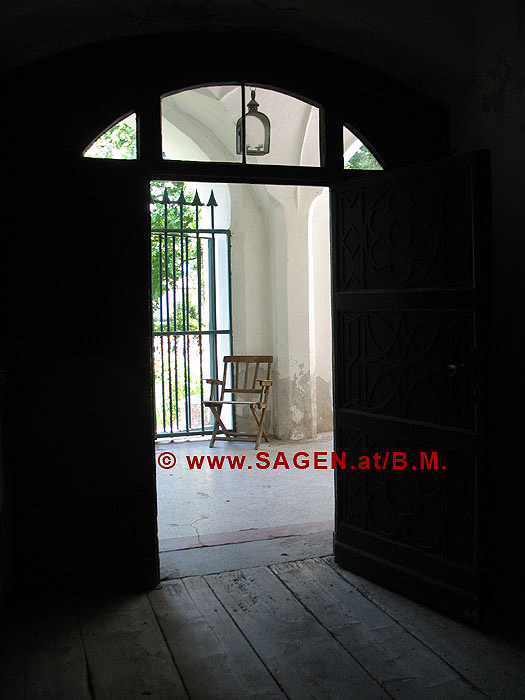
(242, 372)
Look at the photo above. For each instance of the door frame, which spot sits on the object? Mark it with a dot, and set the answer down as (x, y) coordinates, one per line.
(330, 172)
(150, 164)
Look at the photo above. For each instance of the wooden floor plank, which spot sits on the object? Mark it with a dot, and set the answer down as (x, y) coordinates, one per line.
(214, 659)
(405, 667)
(41, 651)
(126, 652)
(12, 655)
(487, 664)
(55, 660)
(302, 630)
(305, 659)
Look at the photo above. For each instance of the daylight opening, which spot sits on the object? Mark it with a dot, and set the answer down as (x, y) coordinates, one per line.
(281, 307)
(201, 124)
(245, 270)
(190, 272)
(356, 156)
(118, 142)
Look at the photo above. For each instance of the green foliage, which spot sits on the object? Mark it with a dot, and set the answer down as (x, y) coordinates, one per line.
(362, 160)
(171, 267)
(118, 142)
(175, 264)
(170, 358)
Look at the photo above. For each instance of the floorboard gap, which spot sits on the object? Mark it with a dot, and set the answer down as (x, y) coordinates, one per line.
(183, 681)
(276, 680)
(310, 612)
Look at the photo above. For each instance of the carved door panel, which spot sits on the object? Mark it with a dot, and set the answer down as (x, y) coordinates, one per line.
(408, 339)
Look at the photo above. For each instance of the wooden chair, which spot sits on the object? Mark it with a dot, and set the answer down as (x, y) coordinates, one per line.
(241, 378)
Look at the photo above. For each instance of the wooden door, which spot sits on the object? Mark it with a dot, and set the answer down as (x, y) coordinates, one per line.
(409, 317)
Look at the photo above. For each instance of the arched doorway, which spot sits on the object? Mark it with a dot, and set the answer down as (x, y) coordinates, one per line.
(107, 358)
(409, 238)
(270, 222)
(281, 304)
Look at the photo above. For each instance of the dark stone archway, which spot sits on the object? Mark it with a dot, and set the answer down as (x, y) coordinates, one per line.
(82, 465)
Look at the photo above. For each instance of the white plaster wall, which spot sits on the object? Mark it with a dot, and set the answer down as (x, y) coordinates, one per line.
(281, 299)
(321, 309)
(251, 271)
(291, 316)
(198, 126)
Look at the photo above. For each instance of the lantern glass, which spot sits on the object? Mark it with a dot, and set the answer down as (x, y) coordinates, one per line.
(257, 130)
(257, 135)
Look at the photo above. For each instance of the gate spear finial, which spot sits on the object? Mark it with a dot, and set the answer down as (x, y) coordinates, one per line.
(197, 200)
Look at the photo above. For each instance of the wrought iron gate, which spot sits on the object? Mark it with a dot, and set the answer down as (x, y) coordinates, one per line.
(191, 305)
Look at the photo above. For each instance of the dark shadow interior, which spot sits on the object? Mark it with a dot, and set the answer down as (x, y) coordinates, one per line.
(77, 451)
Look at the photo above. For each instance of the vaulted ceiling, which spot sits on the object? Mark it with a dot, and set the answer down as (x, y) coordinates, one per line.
(430, 44)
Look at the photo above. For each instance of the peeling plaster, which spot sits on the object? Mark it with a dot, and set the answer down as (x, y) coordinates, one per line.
(291, 409)
(292, 403)
(324, 401)
(297, 414)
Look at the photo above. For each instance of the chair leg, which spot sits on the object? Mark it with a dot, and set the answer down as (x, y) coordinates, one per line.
(218, 422)
(260, 422)
(215, 427)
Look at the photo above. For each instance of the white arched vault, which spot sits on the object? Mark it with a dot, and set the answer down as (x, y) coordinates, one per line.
(208, 116)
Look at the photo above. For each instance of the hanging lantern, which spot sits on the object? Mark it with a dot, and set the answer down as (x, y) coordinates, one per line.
(257, 130)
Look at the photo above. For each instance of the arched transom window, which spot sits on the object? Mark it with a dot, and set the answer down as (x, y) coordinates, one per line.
(234, 124)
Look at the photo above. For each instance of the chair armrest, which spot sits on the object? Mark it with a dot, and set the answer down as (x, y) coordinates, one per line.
(265, 388)
(215, 384)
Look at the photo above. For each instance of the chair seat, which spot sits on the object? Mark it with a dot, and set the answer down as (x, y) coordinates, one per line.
(236, 403)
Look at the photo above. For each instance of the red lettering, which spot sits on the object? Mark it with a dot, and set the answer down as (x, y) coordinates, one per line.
(262, 460)
(341, 461)
(236, 462)
(301, 465)
(194, 461)
(215, 462)
(400, 460)
(364, 462)
(281, 461)
(320, 460)
(429, 463)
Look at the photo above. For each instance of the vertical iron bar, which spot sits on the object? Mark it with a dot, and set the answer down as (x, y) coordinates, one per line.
(243, 125)
(175, 327)
(213, 321)
(213, 292)
(167, 260)
(184, 299)
(188, 335)
(230, 334)
(229, 280)
(199, 310)
(161, 278)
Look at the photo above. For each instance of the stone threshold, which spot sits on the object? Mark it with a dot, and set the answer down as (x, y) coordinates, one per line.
(248, 535)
